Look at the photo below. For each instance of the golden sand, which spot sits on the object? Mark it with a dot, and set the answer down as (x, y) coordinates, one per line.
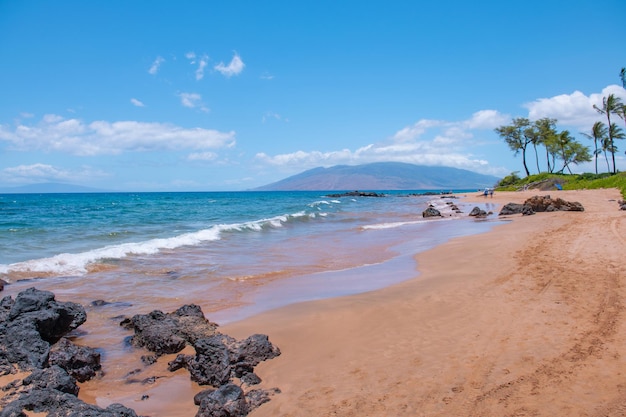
(526, 320)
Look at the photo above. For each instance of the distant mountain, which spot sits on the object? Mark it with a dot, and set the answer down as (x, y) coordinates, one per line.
(49, 187)
(382, 176)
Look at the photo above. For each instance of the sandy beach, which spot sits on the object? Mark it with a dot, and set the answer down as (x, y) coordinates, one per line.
(526, 320)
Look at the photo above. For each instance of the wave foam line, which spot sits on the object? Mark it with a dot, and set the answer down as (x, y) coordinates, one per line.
(73, 264)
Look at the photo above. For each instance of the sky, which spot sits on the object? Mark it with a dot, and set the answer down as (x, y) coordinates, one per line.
(150, 95)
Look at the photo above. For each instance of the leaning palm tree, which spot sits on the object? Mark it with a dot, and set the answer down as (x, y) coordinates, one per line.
(622, 75)
(610, 105)
(598, 134)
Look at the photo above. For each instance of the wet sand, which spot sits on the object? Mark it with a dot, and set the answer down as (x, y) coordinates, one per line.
(526, 320)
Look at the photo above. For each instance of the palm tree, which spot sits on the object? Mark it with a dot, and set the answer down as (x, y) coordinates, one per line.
(610, 104)
(616, 132)
(622, 75)
(598, 134)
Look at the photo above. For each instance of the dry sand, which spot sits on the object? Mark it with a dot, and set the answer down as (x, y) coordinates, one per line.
(526, 320)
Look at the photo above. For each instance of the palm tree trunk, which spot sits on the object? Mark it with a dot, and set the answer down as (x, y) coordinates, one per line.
(595, 153)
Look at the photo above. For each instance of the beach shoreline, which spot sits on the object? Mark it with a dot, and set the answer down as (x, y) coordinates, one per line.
(525, 319)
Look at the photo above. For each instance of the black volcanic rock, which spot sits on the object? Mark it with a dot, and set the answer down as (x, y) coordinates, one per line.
(164, 333)
(30, 324)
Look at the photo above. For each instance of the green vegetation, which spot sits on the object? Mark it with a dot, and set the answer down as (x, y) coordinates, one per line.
(549, 181)
(563, 150)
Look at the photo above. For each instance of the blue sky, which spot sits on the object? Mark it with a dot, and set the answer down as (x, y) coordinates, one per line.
(205, 95)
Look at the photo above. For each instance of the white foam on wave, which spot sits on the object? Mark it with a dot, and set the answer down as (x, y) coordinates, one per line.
(73, 264)
(393, 225)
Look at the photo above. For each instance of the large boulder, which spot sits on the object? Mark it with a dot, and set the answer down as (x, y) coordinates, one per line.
(30, 324)
(431, 212)
(164, 333)
(546, 203)
(227, 401)
(220, 358)
(82, 362)
(516, 208)
(538, 204)
(54, 392)
(477, 212)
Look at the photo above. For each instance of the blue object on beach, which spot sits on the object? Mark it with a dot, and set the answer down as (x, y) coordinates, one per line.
(558, 186)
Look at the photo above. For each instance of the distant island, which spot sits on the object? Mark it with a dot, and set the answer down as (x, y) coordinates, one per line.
(382, 176)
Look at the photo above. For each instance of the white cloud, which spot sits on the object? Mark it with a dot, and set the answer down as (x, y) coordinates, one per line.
(76, 137)
(266, 76)
(191, 56)
(204, 61)
(202, 156)
(269, 115)
(426, 142)
(235, 67)
(192, 101)
(487, 119)
(44, 172)
(413, 132)
(154, 68)
(574, 109)
(136, 102)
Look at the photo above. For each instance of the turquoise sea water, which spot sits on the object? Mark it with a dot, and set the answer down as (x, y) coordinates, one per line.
(218, 249)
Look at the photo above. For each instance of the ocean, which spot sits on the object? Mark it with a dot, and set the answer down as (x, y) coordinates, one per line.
(235, 254)
(218, 249)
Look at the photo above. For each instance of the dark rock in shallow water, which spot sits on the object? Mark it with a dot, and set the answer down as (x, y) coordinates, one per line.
(53, 391)
(164, 333)
(515, 208)
(477, 212)
(356, 194)
(82, 362)
(226, 401)
(2, 284)
(431, 212)
(30, 324)
(220, 358)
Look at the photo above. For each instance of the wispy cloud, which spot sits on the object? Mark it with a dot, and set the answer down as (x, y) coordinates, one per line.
(202, 156)
(192, 101)
(202, 63)
(235, 67)
(154, 68)
(43, 172)
(73, 136)
(136, 102)
(270, 115)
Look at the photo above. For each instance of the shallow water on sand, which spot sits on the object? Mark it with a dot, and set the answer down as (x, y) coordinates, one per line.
(283, 255)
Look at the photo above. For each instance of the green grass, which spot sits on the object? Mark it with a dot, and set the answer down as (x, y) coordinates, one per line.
(585, 181)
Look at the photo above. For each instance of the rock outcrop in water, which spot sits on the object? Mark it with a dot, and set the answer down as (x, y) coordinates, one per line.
(219, 359)
(31, 339)
(431, 212)
(32, 330)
